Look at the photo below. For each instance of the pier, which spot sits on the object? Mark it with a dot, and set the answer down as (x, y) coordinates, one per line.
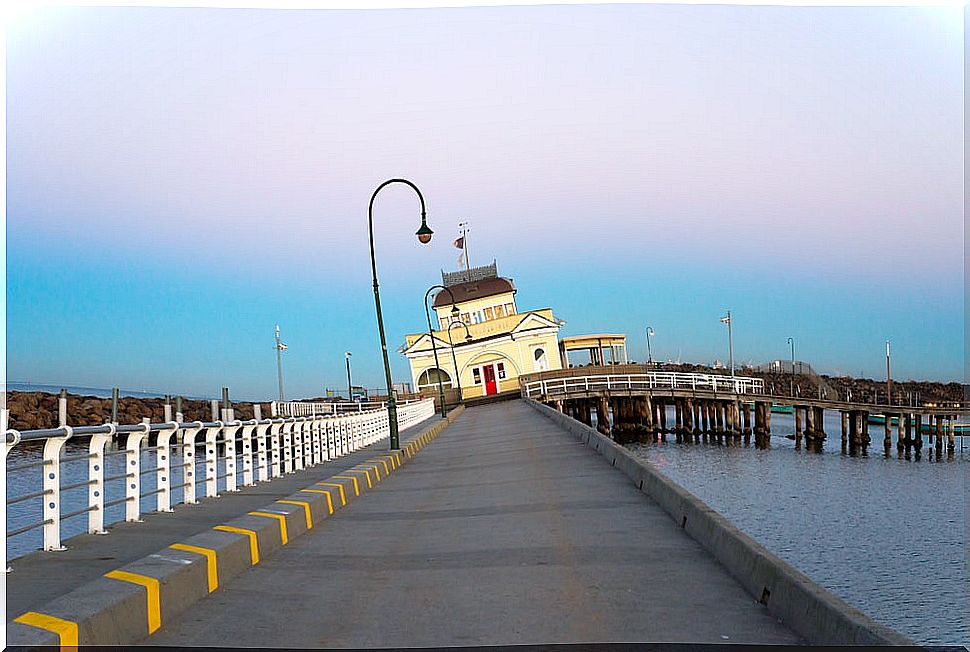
(629, 401)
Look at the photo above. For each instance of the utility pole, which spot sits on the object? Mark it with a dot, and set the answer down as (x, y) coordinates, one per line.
(280, 347)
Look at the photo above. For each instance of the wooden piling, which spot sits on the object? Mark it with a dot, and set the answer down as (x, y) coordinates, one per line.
(746, 418)
(602, 415)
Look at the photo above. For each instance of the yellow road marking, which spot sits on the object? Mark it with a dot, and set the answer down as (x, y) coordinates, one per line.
(306, 510)
(282, 521)
(343, 498)
(349, 477)
(66, 630)
(151, 589)
(210, 561)
(253, 541)
(387, 470)
(366, 473)
(322, 491)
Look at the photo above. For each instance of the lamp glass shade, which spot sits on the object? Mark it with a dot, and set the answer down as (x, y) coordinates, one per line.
(424, 233)
(454, 310)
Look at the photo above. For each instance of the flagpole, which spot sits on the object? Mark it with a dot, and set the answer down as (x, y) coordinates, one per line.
(464, 242)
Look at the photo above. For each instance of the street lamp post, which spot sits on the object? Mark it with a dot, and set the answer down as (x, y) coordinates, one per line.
(727, 320)
(280, 347)
(424, 237)
(454, 360)
(791, 343)
(649, 352)
(350, 391)
(434, 347)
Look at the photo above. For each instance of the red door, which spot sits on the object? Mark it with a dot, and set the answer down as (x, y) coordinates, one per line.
(490, 386)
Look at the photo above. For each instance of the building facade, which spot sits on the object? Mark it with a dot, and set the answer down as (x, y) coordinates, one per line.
(483, 342)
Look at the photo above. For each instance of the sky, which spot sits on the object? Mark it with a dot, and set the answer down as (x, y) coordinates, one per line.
(181, 180)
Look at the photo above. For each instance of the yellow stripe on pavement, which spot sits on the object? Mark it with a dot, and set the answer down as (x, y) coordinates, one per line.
(306, 510)
(343, 498)
(151, 589)
(366, 473)
(211, 563)
(253, 540)
(279, 517)
(65, 629)
(322, 491)
(349, 477)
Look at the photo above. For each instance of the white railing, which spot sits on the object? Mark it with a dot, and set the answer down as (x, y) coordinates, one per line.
(305, 409)
(644, 382)
(237, 453)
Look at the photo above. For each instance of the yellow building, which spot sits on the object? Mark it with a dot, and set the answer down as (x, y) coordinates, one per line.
(493, 343)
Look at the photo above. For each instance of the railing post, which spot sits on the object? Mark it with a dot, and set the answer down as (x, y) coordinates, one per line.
(262, 455)
(62, 409)
(163, 502)
(275, 434)
(96, 475)
(273, 410)
(52, 489)
(288, 445)
(189, 431)
(211, 459)
(133, 473)
(247, 452)
(229, 437)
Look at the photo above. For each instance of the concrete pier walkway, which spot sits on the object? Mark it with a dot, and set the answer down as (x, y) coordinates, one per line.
(502, 531)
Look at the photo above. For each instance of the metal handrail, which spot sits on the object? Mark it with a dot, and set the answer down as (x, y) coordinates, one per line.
(644, 381)
(269, 448)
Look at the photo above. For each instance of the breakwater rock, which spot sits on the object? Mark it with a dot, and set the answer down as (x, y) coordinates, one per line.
(34, 410)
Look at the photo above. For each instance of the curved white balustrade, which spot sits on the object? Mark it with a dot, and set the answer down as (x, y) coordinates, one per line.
(643, 382)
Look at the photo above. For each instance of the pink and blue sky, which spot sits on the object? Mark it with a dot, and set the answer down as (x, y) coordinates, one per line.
(180, 180)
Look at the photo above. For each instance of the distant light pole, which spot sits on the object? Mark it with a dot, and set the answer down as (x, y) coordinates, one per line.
(434, 347)
(424, 237)
(727, 320)
(454, 360)
(889, 379)
(280, 347)
(649, 352)
(350, 391)
(791, 390)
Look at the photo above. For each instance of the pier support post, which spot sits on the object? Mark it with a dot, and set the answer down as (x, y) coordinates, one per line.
(603, 415)
(678, 417)
(662, 413)
(939, 434)
(746, 418)
(648, 412)
(919, 432)
(689, 418)
(887, 441)
(845, 429)
(798, 422)
(900, 433)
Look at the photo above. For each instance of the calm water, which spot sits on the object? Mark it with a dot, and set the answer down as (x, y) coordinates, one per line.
(886, 535)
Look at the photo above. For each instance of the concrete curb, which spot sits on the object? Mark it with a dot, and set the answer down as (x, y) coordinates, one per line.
(129, 604)
(808, 609)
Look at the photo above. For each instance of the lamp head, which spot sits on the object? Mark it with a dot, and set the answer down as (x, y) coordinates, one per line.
(454, 310)
(649, 331)
(468, 337)
(424, 233)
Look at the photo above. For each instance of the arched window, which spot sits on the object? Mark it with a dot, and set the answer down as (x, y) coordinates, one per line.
(429, 379)
(541, 362)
